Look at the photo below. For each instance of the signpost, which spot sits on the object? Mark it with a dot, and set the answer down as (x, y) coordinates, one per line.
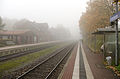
(115, 18)
(117, 41)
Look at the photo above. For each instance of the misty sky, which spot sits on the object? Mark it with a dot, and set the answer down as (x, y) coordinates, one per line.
(66, 12)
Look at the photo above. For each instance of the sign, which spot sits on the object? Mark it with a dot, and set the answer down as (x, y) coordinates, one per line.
(115, 1)
(115, 17)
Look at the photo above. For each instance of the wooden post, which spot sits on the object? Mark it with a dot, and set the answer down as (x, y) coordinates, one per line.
(104, 51)
(95, 43)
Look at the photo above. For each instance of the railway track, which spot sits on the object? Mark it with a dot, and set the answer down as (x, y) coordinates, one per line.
(22, 53)
(46, 68)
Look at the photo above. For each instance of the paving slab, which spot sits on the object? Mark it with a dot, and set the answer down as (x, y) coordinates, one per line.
(68, 70)
(96, 64)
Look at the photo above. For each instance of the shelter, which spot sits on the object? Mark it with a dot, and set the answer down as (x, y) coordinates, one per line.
(104, 32)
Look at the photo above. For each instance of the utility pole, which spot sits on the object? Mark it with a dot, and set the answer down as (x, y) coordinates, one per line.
(117, 41)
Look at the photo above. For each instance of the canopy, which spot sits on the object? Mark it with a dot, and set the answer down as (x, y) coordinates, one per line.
(105, 31)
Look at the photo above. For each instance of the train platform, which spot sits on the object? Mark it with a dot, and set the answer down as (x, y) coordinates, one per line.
(84, 64)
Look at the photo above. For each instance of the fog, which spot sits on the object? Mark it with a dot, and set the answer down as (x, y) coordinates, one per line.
(53, 12)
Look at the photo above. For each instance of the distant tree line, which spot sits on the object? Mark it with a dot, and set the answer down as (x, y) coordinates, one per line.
(41, 30)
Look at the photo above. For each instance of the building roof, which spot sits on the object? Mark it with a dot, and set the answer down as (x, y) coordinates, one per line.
(16, 32)
(105, 30)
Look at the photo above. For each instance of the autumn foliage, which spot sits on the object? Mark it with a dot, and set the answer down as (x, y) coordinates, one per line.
(97, 15)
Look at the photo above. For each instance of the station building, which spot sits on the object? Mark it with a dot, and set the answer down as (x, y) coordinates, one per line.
(18, 36)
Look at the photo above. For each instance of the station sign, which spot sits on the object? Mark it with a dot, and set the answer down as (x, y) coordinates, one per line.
(115, 1)
(115, 17)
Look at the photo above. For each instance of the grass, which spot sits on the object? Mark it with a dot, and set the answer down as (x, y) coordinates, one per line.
(118, 68)
(20, 61)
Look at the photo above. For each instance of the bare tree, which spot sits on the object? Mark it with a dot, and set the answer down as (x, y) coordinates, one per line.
(1, 24)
